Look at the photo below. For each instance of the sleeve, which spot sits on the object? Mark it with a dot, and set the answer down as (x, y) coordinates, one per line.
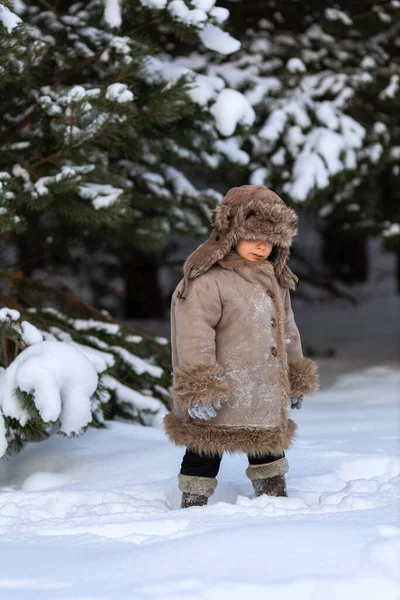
(197, 377)
(303, 372)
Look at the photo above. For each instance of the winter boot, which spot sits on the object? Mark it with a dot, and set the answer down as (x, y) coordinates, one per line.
(269, 478)
(196, 490)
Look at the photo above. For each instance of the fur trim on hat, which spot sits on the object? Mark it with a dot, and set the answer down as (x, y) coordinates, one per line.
(256, 220)
(278, 467)
(217, 439)
(199, 384)
(303, 378)
(249, 212)
(220, 218)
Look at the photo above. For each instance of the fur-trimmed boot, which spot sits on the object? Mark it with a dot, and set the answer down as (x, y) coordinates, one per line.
(269, 478)
(196, 490)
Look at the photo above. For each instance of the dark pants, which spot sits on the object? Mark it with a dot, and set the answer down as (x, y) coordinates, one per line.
(207, 465)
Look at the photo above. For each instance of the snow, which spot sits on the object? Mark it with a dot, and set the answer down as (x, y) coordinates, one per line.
(379, 128)
(112, 13)
(139, 365)
(230, 107)
(30, 334)
(135, 399)
(368, 62)
(230, 148)
(61, 379)
(214, 38)
(374, 152)
(392, 230)
(259, 176)
(9, 313)
(157, 4)
(205, 88)
(392, 89)
(154, 71)
(181, 12)
(100, 360)
(39, 482)
(205, 5)
(326, 153)
(395, 153)
(262, 88)
(101, 195)
(296, 65)
(326, 113)
(84, 324)
(334, 14)
(230, 110)
(8, 19)
(118, 92)
(220, 14)
(134, 339)
(279, 158)
(103, 511)
(274, 126)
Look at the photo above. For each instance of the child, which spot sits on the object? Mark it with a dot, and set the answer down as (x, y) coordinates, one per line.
(236, 351)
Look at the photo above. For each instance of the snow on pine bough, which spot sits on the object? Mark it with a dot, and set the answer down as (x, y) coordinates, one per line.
(48, 382)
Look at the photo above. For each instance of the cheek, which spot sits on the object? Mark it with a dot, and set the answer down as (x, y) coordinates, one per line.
(244, 247)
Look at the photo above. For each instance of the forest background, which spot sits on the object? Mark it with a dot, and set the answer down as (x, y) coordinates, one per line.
(122, 126)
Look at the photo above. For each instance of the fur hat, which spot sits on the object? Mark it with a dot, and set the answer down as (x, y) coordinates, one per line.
(248, 212)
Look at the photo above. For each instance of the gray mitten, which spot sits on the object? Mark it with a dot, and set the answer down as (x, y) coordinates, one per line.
(296, 402)
(204, 411)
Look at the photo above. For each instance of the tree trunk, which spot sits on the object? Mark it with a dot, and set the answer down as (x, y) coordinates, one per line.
(345, 253)
(143, 297)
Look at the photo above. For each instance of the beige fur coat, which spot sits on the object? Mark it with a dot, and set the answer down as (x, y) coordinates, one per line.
(234, 338)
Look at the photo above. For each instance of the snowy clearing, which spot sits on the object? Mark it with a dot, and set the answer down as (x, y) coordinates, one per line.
(98, 516)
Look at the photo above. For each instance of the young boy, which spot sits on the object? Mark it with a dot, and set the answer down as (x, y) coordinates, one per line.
(236, 350)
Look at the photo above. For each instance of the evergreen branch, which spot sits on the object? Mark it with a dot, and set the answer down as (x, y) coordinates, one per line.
(71, 298)
(53, 10)
(371, 12)
(44, 160)
(157, 21)
(312, 276)
(16, 130)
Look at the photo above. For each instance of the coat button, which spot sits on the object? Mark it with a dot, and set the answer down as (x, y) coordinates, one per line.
(274, 351)
(271, 294)
(273, 322)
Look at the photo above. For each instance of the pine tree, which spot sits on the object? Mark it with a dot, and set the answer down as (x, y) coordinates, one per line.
(101, 131)
(324, 81)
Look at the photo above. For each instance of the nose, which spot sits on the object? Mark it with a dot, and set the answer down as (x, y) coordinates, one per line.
(261, 245)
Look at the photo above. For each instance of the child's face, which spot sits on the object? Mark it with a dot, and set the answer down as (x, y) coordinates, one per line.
(254, 251)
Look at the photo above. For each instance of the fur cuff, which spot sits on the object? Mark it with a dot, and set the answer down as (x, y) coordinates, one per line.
(199, 384)
(202, 486)
(303, 378)
(267, 470)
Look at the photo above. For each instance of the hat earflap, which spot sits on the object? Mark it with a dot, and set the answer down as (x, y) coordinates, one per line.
(285, 276)
(220, 218)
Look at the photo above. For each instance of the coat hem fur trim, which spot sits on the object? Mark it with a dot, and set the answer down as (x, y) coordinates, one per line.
(202, 486)
(303, 378)
(278, 467)
(217, 439)
(199, 384)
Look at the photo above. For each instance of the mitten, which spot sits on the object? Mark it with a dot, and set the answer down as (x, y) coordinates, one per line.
(296, 402)
(204, 411)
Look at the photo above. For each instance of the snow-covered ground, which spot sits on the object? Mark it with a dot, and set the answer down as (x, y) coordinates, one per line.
(98, 516)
